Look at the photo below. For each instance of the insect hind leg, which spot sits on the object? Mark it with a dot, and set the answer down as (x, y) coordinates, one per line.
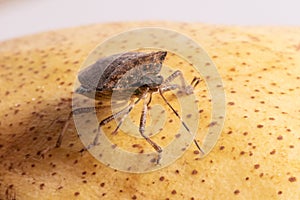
(75, 112)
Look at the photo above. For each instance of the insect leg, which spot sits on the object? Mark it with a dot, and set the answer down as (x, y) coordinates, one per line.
(76, 111)
(128, 109)
(126, 114)
(188, 89)
(142, 129)
(174, 75)
(183, 86)
(110, 118)
(183, 123)
(165, 88)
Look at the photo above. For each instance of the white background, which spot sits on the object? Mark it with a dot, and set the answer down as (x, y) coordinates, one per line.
(20, 17)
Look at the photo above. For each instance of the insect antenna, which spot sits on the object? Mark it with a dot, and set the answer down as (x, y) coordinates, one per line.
(183, 123)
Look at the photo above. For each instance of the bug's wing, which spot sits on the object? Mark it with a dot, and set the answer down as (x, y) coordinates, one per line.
(119, 67)
(91, 76)
(97, 74)
(129, 68)
(106, 72)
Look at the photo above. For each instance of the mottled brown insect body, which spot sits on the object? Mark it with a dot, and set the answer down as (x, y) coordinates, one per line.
(132, 73)
(134, 69)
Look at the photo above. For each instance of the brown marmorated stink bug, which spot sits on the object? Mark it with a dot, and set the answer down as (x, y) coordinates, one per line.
(140, 76)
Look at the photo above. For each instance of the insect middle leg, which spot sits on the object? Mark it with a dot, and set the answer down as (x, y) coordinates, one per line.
(124, 111)
(125, 115)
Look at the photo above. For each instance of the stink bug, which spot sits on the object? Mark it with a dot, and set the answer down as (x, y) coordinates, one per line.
(140, 74)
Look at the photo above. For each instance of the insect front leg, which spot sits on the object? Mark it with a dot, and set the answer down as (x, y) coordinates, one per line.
(182, 122)
(157, 148)
(188, 89)
(165, 88)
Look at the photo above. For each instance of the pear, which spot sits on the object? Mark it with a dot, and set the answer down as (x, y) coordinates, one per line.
(256, 156)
